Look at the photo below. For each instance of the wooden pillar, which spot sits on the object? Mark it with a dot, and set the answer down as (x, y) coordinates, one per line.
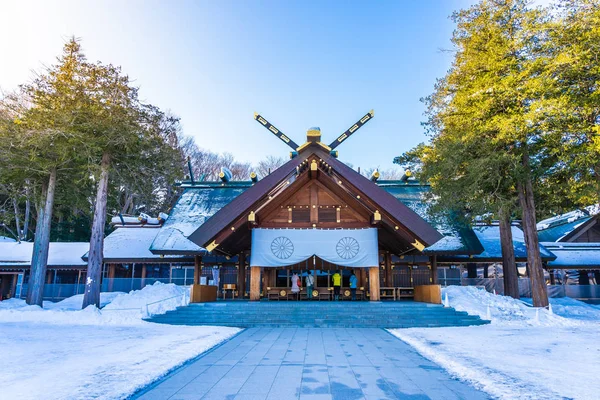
(264, 277)
(111, 276)
(471, 270)
(552, 281)
(49, 277)
(434, 270)
(13, 288)
(374, 283)
(197, 269)
(363, 277)
(241, 278)
(255, 283)
(387, 259)
(143, 282)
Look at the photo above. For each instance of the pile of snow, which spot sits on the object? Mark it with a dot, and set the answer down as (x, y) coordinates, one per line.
(525, 353)
(574, 309)
(6, 239)
(118, 308)
(158, 298)
(503, 309)
(63, 352)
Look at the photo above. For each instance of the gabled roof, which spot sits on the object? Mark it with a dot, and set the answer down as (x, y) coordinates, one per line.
(193, 208)
(409, 218)
(212, 225)
(60, 254)
(386, 202)
(562, 227)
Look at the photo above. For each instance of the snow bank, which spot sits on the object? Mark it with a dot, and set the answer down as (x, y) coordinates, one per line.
(118, 308)
(503, 309)
(159, 298)
(524, 353)
(70, 362)
(63, 352)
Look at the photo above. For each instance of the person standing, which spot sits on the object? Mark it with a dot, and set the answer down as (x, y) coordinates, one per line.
(353, 281)
(295, 284)
(337, 283)
(310, 282)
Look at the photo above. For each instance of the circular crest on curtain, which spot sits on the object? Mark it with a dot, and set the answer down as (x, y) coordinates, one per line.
(347, 248)
(282, 247)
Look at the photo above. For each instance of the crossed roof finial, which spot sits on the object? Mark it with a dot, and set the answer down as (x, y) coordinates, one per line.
(314, 134)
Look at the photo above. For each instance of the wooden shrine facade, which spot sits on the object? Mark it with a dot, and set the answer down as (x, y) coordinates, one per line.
(314, 190)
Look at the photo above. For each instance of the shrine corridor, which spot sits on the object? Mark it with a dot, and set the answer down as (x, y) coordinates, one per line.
(311, 363)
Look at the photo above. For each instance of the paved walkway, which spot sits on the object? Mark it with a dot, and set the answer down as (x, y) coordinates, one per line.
(301, 363)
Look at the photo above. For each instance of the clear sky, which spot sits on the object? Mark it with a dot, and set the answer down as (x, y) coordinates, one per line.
(213, 63)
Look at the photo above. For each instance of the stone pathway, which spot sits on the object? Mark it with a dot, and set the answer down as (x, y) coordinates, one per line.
(310, 363)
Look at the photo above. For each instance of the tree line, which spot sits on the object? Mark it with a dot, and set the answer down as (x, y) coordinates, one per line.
(514, 124)
(78, 145)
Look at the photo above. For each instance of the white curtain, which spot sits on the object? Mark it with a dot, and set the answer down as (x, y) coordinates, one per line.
(344, 247)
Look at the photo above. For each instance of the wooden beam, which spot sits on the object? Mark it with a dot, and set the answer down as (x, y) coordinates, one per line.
(262, 207)
(369, 205)
(241, 278)
(143, 282)
(255, 283)
(314, 204)
(197, 269)
(374, 283)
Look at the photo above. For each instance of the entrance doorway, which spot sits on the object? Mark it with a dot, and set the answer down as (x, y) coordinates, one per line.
(277, 281)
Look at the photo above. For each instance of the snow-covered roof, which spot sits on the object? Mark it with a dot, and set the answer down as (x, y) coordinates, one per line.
(4, 239)
(131, 245)
(456, 239)
(192, 209)
(447, 244)
(574, 255)
(489, 238)
(60, 254)
(559, 227)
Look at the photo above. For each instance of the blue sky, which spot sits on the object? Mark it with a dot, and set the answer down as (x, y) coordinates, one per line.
(298, 63)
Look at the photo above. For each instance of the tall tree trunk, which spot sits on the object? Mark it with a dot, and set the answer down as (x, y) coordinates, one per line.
(39, 260)
(128, 201)
(95, 255)
(17, 220)
(509, 266)
(27, 211)
(539, 292)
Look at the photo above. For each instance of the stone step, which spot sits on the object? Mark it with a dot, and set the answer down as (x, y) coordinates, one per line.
(322, 315)
(318, 314)
(333, 314)
(332, 324)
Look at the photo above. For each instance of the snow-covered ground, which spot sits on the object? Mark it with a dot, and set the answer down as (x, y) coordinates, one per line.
(523, 353)
(62, 352)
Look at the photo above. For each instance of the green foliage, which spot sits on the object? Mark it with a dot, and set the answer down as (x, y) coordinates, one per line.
(65, 119)
(519, 104)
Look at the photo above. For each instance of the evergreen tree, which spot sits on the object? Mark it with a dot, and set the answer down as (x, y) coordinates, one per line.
(486, 130)
(43, 139)
(126, 136)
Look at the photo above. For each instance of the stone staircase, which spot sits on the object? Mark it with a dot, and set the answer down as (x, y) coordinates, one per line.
(400, 314)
